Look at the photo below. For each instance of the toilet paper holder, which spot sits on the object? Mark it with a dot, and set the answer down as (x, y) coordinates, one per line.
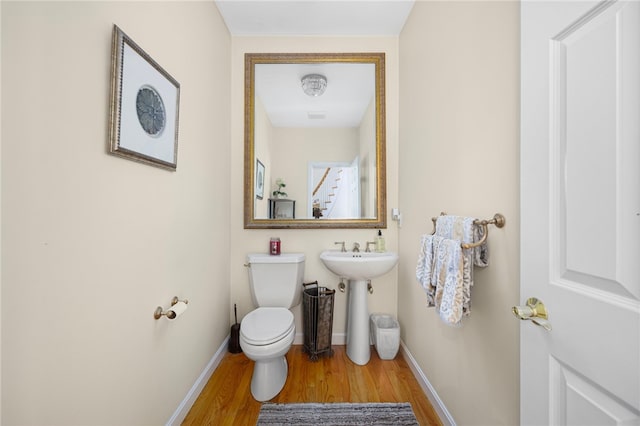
(169, 313)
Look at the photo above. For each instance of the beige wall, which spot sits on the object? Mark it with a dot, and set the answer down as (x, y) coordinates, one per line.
(263, 144)
(459, 137)
(294, 148)
(311, 241)
(367, 135)
(92, 243)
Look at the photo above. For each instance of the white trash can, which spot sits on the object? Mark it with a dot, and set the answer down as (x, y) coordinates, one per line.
(385, 335)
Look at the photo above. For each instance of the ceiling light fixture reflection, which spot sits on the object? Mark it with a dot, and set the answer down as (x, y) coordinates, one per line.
(314, 84)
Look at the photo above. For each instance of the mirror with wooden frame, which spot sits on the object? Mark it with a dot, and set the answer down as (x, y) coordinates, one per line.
(314, 154)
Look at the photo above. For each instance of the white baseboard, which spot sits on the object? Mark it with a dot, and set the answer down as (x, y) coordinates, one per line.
(183, 409)
(431, 393)
(336, 339)
(188, 401)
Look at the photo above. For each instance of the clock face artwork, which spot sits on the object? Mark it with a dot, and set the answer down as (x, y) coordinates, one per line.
(151, 113)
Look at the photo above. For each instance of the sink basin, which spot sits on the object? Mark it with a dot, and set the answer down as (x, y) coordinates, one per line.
(358, 266)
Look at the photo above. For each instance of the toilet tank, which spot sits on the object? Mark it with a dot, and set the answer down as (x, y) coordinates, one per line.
(276, 281)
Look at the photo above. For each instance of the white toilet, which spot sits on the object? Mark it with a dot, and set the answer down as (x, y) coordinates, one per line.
(266, 333)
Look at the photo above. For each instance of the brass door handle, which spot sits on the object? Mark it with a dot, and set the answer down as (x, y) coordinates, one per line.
(534, 311)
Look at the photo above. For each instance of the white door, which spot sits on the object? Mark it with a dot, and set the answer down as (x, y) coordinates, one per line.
(580, 219)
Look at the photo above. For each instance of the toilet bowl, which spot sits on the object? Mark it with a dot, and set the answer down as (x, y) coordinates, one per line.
(267, 333)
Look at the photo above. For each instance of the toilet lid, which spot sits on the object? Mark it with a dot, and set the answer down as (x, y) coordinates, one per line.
(266, 325)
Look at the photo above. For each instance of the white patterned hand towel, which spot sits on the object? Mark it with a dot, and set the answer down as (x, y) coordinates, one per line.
(445, 270)
(480, 253)
(439, 271)
(464, 229)
(425, 266)
(448, 275)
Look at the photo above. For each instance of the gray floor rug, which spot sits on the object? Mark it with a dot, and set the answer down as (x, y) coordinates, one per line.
(337, 414)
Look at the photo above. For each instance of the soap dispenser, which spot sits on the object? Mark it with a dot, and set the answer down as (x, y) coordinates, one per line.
(380, 245)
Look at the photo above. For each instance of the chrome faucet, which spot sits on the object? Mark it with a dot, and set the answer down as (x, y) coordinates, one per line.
(368, 250)
(342, 249)
(356, 247)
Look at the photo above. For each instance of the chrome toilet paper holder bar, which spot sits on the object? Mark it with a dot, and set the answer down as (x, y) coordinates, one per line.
(159, 312)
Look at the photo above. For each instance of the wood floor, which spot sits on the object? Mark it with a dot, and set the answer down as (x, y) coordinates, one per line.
(227, 400)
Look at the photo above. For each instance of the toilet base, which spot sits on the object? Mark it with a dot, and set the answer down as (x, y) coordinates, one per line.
(269, 377)
(270, 368)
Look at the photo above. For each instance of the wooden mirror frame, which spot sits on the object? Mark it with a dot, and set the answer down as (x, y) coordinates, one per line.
(251, 59)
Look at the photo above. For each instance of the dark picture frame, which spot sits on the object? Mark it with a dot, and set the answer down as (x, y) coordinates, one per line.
(259, 180)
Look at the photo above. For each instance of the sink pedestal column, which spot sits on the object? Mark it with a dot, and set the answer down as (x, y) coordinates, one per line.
(358, 348)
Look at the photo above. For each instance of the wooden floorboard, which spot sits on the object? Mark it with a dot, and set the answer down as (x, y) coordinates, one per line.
(227, 400)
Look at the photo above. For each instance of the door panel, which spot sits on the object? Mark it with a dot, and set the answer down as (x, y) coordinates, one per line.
(580, 211)
(579, 401)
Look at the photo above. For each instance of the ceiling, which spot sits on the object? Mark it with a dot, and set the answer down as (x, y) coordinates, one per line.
(315, 17)
(279, 88)
(350, 91)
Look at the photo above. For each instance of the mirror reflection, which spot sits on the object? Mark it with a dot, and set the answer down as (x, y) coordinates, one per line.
(314, 140)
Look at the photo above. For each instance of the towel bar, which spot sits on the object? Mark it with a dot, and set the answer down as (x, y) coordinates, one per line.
(498, 220)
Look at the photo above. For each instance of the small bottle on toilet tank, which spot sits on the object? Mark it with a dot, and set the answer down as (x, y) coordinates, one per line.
(274, 246)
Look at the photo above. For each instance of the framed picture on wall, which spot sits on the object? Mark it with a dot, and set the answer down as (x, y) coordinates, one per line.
(145, 101)
(259, 179)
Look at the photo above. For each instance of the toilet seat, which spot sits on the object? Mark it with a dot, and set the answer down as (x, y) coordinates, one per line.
(265, 326)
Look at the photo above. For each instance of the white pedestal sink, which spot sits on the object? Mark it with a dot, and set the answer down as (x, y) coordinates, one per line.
(359, 268)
